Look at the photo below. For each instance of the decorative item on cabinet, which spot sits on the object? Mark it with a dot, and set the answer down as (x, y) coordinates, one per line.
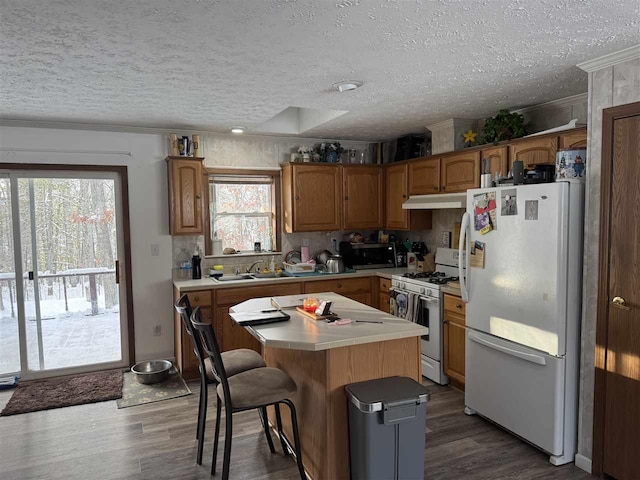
(504, 126)
(186, 202)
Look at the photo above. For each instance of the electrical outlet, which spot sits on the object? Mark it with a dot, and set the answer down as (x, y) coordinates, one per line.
(334, 244)
(305, 242)
(155, 250)
(157, 330)
(445, 239)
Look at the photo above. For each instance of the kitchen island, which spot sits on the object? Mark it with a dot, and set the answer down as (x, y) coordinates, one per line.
(322, 358)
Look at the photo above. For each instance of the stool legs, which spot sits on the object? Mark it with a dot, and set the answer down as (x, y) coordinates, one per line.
(285, 450)
(217, 435)
(296, 438)
(265, 424)
(228, 430)
(202, 420)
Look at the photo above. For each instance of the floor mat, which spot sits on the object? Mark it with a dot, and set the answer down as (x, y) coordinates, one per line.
(65, 391)
(134, 393)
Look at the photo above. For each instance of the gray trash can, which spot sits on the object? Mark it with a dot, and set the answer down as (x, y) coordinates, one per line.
(387, 419)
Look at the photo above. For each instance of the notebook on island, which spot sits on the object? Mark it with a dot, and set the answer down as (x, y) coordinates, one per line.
(247, 319)
(287, 301)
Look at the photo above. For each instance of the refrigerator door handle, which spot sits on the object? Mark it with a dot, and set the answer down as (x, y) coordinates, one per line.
(529, 357)
(463, 260)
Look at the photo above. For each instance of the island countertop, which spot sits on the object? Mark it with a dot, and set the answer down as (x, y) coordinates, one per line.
(304, 333)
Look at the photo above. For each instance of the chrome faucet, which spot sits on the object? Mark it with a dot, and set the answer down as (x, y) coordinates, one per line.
(253, 265)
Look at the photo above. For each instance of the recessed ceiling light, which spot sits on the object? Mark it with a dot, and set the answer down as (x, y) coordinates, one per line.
(237, 129)
(347, 85)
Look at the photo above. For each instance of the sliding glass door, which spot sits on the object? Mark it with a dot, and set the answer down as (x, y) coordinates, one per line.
(71, 307)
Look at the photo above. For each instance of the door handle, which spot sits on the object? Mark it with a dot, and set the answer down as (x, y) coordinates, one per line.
(30, 275)
(117, 271)
(620, 303)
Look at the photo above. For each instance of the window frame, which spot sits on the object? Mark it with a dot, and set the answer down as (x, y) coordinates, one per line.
(276, 201)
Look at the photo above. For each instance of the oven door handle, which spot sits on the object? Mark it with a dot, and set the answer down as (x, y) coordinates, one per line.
(430, 300)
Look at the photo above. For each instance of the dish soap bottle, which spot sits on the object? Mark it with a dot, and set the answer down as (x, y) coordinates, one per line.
(196, 271)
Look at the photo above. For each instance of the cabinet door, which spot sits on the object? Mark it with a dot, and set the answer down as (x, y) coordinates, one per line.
(317, 198)
(424, 176)
(233, 335)
(576, 139)
(536, 151)
(363, 207)
(188, 364)
(497, 160)
(185, 196)
(454, 349)
(460, 172)
(395, 195)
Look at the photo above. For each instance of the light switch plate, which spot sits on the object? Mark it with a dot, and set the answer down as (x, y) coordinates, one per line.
(445, 239)
(155, 250)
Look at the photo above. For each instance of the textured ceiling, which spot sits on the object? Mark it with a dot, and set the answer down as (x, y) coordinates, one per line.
(212, 64)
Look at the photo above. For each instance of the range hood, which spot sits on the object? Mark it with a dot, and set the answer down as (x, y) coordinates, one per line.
(434, 202)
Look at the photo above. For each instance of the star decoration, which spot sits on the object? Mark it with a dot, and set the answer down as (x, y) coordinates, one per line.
(470, 136)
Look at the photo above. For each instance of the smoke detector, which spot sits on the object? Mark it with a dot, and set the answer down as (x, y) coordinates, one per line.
(347, 85)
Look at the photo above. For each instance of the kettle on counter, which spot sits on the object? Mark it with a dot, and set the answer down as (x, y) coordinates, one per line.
(335, 264)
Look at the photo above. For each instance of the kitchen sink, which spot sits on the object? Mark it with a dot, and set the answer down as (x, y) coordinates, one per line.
(231, 278)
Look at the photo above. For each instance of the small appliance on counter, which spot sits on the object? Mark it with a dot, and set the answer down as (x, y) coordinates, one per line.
(368, 255)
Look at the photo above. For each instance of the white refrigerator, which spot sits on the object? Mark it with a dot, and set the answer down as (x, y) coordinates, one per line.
(523, 290)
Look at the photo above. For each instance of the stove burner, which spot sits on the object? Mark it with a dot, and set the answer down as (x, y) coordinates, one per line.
(437, 278)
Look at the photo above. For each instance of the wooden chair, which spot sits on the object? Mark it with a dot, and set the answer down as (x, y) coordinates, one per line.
(235, 361)
(254, 389)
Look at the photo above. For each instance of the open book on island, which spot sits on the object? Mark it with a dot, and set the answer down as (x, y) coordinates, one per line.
(287, 301)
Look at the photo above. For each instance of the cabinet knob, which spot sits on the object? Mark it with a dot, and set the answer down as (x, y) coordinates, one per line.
(435, 187)
(339, 285)
(458, 305)
(444, 188)
(198, 197)
(196, 298)
(404, 196)
(297, 197)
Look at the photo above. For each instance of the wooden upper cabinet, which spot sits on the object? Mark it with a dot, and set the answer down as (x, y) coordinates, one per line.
(497, 159)
(424, 176)
(395, 195)
(312, 197)
(535, 151)
(574, 139)
(460, 172)
(185, 195)
(363, 197)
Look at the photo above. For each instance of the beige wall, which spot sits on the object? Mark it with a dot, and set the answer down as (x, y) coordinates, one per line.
(615, 85)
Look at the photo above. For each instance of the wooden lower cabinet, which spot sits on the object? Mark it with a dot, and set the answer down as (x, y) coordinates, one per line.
(186, 361)
(454, 338)
(384, 298)
(358, 289)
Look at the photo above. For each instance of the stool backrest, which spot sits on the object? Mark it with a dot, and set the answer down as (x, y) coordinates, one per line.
(210, 345)
(183, 307)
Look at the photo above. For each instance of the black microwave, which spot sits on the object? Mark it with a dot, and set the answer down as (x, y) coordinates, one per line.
(368, 255)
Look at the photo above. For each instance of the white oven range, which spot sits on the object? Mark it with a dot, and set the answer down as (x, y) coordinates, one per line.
(426, 287)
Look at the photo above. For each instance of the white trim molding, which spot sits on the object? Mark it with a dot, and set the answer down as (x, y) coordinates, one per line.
(561, 102)
(583, 462)
(610, 59)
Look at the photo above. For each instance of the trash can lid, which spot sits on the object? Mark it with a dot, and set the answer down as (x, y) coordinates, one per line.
(373, 395)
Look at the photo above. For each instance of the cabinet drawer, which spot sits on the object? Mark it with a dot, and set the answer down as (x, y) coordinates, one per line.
(341, 286)
(200, 298)
(385, 285)
(232, 296)
(454, 305)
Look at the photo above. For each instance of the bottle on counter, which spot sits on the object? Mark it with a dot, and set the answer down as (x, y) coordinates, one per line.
(196, 269)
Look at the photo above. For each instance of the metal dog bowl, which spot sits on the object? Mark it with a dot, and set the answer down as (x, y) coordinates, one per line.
(151, 371)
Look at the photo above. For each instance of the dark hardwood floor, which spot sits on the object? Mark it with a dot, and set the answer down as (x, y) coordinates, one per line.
(157, 441)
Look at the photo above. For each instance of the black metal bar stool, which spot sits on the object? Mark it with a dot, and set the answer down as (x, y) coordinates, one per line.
(254, 389)
(235, 361)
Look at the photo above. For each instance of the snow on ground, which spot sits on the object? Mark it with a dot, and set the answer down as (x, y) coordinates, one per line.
(70, 338)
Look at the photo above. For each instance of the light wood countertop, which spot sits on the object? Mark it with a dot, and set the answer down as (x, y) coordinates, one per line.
(304, 333)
